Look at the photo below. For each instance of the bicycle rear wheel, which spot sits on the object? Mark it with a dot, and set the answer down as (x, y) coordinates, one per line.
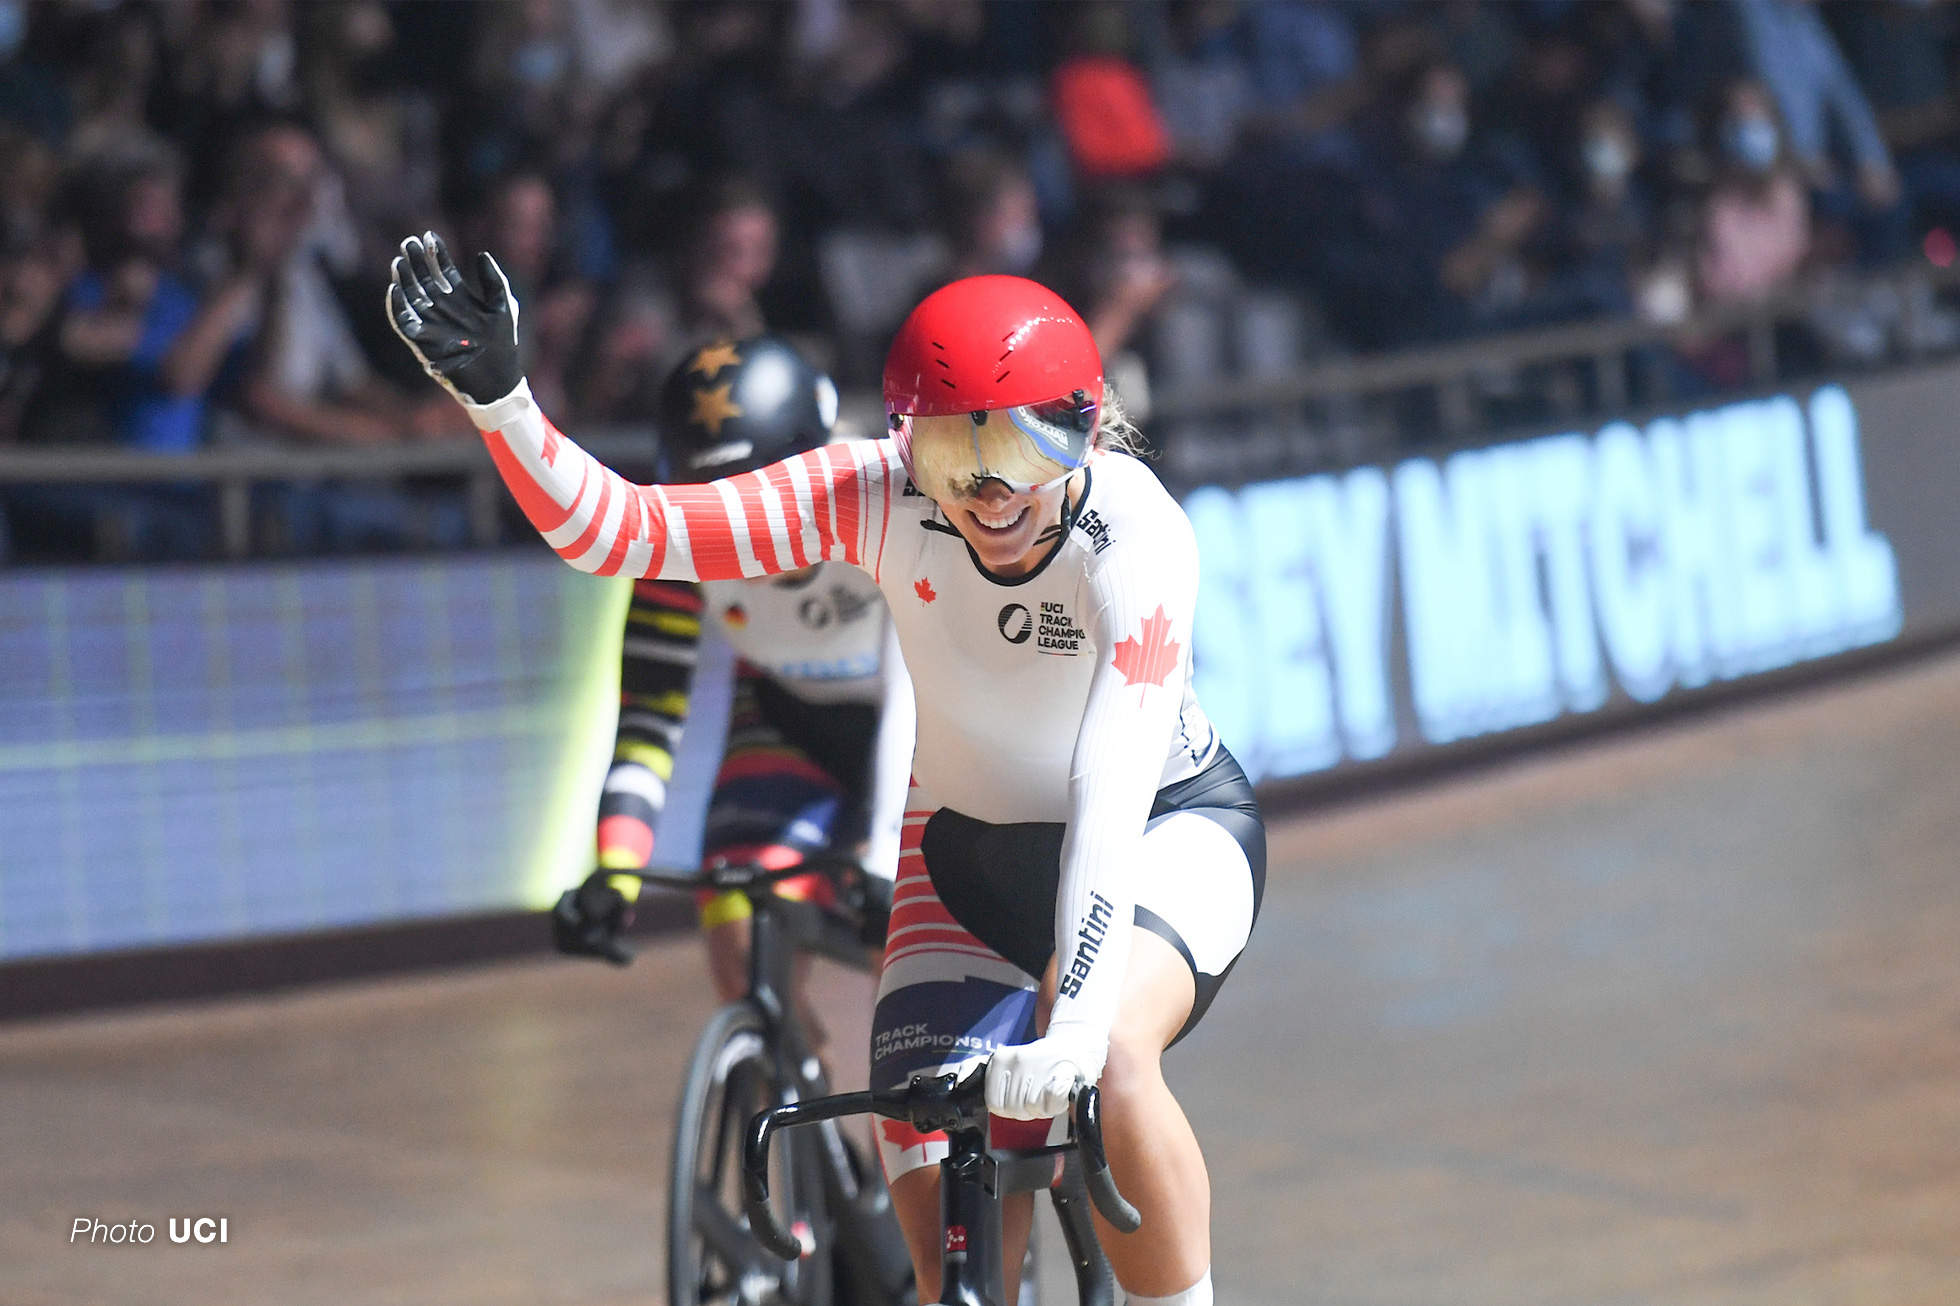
(712, 1258)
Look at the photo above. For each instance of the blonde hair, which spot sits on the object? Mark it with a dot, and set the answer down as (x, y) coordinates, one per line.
(1115, 431)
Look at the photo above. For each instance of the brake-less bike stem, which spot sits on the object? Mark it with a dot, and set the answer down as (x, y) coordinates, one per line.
(969, 1218)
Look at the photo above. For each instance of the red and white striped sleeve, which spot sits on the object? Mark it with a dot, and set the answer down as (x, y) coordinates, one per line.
(831, 504)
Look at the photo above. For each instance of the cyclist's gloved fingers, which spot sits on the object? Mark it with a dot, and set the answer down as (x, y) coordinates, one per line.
(414, 276)
(407, 322)
(399, 311)
(1000, 1078)
(1053, 1097)
(1013, 1088)
(493, 287)
(422, 265)
(444, 265)
(1045, 1095)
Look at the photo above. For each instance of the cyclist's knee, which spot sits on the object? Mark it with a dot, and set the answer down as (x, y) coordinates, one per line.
(1157, 997)
(1135, 1062)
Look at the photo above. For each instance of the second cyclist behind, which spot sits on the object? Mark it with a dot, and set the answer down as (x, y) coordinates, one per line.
(820, 731)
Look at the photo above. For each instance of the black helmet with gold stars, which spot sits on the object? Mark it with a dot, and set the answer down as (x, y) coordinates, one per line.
(734, 406)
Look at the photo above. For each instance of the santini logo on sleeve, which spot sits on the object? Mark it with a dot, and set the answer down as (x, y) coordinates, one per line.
(1089, 942)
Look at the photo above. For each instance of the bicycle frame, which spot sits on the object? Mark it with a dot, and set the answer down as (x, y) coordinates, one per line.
(772, 962)
(779, 929)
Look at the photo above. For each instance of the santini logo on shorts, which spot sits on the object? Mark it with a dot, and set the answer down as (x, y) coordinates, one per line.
(1089, 942)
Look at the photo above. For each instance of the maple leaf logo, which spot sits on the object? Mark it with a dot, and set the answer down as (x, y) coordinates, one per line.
(1148, 658)
(923, 588)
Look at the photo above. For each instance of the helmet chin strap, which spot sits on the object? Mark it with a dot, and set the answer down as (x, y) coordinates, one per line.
(1070, 508)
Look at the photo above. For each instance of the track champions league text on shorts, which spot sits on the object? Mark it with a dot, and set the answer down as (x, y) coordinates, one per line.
(1387, 610)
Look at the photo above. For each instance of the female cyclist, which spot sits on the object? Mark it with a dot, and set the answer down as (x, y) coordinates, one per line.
(820, 732)
(1082, 859)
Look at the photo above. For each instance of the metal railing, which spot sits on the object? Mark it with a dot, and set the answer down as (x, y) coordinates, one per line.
(1586, 369)
(236, 470)
(1195, 425)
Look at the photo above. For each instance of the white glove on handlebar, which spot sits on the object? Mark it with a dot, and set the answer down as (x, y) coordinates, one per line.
(1033, 1081)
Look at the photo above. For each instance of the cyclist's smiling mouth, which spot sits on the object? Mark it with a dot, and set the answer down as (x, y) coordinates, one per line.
(1002, 523)
(1002, 526)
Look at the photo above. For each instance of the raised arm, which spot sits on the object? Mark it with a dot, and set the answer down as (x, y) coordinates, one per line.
(830, 504)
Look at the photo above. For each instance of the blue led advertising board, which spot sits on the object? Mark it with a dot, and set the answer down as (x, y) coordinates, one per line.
(1386, 611)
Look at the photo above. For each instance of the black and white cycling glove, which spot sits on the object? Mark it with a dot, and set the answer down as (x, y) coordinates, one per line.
(464, 337)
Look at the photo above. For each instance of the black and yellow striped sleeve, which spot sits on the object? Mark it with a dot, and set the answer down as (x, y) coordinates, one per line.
(656, 673)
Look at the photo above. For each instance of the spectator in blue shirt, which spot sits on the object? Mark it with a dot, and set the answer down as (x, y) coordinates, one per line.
(1307, 76)
(1899, 52)
(136, 344)
(134, 354)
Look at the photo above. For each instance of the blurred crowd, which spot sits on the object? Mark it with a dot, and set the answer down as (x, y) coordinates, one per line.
(199, 198)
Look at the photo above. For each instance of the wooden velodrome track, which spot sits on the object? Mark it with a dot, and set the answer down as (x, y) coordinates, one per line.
(1669, 1018)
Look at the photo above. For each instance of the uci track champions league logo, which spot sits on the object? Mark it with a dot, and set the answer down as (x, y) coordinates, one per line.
(1533, 578)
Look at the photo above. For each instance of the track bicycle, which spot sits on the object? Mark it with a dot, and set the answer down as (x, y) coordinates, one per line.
(755, 1054)
(973, 1179)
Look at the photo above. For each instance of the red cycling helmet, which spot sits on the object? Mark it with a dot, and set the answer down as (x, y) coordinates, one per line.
(987, 344)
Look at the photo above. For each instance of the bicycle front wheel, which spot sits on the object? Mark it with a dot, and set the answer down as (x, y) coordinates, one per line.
(712, 1258)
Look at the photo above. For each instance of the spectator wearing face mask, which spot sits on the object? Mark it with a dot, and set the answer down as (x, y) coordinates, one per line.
(1753, 233)
(1755, 228)
(1606, 217)
(1791, 53)
(1432, 239)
